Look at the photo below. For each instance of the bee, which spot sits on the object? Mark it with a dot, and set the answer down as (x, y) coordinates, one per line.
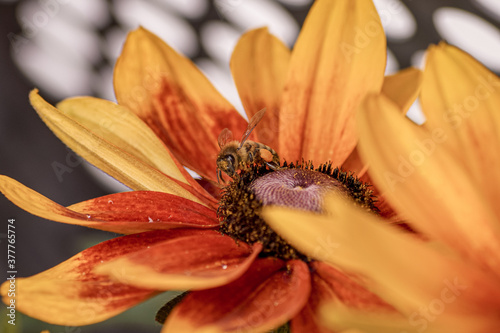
(236, 155)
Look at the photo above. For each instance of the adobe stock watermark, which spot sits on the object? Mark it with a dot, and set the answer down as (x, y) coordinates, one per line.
(364, 35)
(428, 314)
(455, 116)
(32, 25)
(153, 80)
(325, 247)
(72, 160)
(408, 164)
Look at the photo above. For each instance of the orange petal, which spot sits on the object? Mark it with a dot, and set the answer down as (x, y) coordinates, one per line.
(104, 155)
(186, 260)
(174, 98)
(425, 182)
(461, 98)
(265, 297)
(259, 65)
(331, 285)
(403, 87)
(338, 58)
(151, 210)
(354, 164)
(72, 294)
(405, 272)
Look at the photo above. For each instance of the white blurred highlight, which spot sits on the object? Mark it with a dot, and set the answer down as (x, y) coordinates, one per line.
(392, 64)
(173, 30)
(259, 13)
(397, 20)
(415, 113)
(490, 7)
(471, 33)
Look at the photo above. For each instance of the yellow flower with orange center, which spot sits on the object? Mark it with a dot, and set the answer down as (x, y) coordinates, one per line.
(168, 117)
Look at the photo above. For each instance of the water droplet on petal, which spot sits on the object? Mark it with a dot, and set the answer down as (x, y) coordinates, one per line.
(150, 220)
(88, 216)
(224, 266)
(110, 202)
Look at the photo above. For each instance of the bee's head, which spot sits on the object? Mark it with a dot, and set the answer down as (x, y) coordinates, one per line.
(226, 161)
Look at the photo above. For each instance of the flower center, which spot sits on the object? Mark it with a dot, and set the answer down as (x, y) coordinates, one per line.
(295, 186)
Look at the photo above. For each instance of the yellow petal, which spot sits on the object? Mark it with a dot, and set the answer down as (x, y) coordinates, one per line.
(402, 270)
(339, 318)
(104, 155)
(122, 128)
(462, 98)
(259, 65)
(168, 92)
(403, 87)
(426, 183)
(338, 58)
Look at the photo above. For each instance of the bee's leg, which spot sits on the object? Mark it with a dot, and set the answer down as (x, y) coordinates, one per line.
(250, 157)
(272, 166)
(219, 176)
(231, 171)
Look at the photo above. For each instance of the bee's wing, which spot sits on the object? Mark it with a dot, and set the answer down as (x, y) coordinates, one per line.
(224, 137)
(251, 125)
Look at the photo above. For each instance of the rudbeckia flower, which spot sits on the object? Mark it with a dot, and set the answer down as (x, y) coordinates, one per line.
(180, 234)
(443, 177)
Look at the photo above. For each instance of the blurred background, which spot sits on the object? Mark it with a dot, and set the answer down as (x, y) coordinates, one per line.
(67, 48)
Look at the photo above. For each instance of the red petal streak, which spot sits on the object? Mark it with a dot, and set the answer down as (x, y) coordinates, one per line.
(193, 261)
(132, 212)
(269, 294)
(189, 129)
(126, 213)
(168, 92)
(72, 294)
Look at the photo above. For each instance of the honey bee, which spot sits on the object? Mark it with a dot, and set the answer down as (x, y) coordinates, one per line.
(236, 155)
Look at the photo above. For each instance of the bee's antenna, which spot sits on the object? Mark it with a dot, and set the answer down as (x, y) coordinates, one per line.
(219, 176)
